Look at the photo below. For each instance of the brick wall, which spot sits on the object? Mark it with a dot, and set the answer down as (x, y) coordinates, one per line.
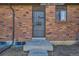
(58, 31)
(5, 23)
(23, 22)
(62, 31)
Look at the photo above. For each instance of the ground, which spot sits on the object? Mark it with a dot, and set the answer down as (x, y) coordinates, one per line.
(59, 50)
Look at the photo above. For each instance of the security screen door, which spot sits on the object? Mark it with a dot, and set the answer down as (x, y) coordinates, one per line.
(38, 24)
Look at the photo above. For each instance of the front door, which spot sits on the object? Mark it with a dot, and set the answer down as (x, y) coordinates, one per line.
(38, 24)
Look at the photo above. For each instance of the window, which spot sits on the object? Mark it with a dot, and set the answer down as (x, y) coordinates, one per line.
(61, 13)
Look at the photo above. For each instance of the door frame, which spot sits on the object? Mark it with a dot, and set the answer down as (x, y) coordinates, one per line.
(44, 20)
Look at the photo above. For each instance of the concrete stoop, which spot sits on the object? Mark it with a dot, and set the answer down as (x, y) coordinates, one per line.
(38, 46)
(38, 53)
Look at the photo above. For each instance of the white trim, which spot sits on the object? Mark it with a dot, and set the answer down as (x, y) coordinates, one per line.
(39, 1)
(63, 42)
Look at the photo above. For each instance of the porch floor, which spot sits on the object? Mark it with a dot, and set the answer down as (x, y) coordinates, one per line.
(61, 50)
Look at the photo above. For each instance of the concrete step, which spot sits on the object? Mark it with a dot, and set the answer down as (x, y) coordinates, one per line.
(38, 53)
(40, 38)
(38, 44)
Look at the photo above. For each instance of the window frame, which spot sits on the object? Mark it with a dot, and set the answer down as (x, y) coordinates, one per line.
(63, 8)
